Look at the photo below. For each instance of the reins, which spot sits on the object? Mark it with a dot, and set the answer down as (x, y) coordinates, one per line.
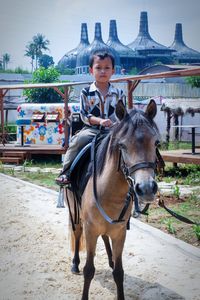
(131, 195)
(100, 208)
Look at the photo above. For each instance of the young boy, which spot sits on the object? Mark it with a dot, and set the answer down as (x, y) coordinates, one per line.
(97, 105)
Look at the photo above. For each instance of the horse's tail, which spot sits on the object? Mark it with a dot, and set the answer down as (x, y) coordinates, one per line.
(77, 234)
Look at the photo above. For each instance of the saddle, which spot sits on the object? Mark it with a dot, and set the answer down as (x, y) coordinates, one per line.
(83, 155)
(81, 168)
(76, 170)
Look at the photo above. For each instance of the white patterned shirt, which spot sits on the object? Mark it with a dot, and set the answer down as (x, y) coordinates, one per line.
(93, 103)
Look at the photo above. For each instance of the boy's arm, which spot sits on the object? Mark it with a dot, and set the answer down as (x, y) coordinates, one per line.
(87, 117)
(99, 121)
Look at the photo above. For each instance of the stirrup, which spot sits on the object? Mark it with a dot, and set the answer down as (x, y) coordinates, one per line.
(63, 181)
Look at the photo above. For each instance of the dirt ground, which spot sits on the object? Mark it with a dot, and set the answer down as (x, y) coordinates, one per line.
(35, 255)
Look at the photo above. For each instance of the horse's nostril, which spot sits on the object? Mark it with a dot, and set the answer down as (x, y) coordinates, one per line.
(146, 188)
(138, 189)
(154, 187)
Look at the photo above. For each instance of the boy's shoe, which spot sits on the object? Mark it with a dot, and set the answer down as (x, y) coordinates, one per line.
(63, 180)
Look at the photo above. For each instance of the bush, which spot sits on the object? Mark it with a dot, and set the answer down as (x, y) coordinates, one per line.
(194, 81)
(10, 128)
(17, 70)
(44, 95)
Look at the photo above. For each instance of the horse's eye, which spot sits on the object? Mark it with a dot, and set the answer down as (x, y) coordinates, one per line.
(157, 143)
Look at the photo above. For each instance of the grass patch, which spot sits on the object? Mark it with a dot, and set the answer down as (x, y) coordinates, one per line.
(173, 145)
(187, 174)
(46, 179)
(44, 161)
(42, 179)
(188, 207)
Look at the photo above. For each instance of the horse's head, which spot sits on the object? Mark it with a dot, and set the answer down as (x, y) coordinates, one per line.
(136, 136)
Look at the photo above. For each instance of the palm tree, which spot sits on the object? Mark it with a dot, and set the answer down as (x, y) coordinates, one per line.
(30, 52)
(6, 59)
(41, 43)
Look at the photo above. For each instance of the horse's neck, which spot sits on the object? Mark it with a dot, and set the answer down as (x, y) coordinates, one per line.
(112, 181)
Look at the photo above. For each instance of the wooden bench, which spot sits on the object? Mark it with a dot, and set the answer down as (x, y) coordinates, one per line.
(181, 156)
(16, 157)
(20, 154)
(16, 160)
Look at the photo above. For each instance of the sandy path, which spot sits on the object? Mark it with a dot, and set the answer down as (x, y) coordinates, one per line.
(35, 258)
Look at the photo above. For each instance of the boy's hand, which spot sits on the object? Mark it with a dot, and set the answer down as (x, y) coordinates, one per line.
(106, 122)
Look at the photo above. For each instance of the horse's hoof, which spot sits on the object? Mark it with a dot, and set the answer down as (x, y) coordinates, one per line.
(75, 270)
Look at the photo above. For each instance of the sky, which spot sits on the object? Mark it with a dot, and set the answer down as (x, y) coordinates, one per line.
(60, 22)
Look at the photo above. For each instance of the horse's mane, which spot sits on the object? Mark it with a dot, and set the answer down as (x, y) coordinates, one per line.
(133, 120)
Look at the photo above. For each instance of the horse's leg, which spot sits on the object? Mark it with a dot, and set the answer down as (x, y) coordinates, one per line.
(89, 268)
(76, 259)
(76, 230)
(108, 250)
(118, 272)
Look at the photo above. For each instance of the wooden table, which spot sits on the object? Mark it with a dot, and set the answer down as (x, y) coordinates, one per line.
(193, 127)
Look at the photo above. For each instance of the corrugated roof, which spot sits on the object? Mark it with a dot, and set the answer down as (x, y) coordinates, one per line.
(183, 51)
(114, 42)
(144, 41)
(97, 44)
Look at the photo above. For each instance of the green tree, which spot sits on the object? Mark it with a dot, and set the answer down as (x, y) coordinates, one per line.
(65, 71)
(46, 61)
(30, 52)
(34, 49)
(194, 81)
(44, 95)
(6, 60)
(41, 43)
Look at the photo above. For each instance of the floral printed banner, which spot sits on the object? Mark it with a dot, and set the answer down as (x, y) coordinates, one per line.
(45, 132)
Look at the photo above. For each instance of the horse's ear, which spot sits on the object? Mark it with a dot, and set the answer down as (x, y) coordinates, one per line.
(151, 109)
(120, 110)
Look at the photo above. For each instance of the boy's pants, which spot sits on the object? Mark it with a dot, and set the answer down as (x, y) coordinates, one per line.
(77, 142)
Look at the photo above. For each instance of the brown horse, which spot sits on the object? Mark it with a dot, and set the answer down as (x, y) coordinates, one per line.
(99, 205)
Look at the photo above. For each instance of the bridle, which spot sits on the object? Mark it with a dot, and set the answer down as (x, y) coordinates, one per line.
(128, 174)
(127, 171)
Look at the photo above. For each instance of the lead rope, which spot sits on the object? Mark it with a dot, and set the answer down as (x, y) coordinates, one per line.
(161, 166)
(174, 214)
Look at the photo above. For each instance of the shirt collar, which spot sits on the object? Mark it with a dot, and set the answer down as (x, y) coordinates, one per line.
(111, 89)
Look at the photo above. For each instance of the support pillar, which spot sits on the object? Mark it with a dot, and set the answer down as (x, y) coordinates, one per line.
(3, 135)
(66, 112)
(168, 128)
(131, 86)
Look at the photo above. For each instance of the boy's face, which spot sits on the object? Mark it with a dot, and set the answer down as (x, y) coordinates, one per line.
(102, 69)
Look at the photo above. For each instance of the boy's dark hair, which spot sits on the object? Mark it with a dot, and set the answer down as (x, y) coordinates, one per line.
(101, 55)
